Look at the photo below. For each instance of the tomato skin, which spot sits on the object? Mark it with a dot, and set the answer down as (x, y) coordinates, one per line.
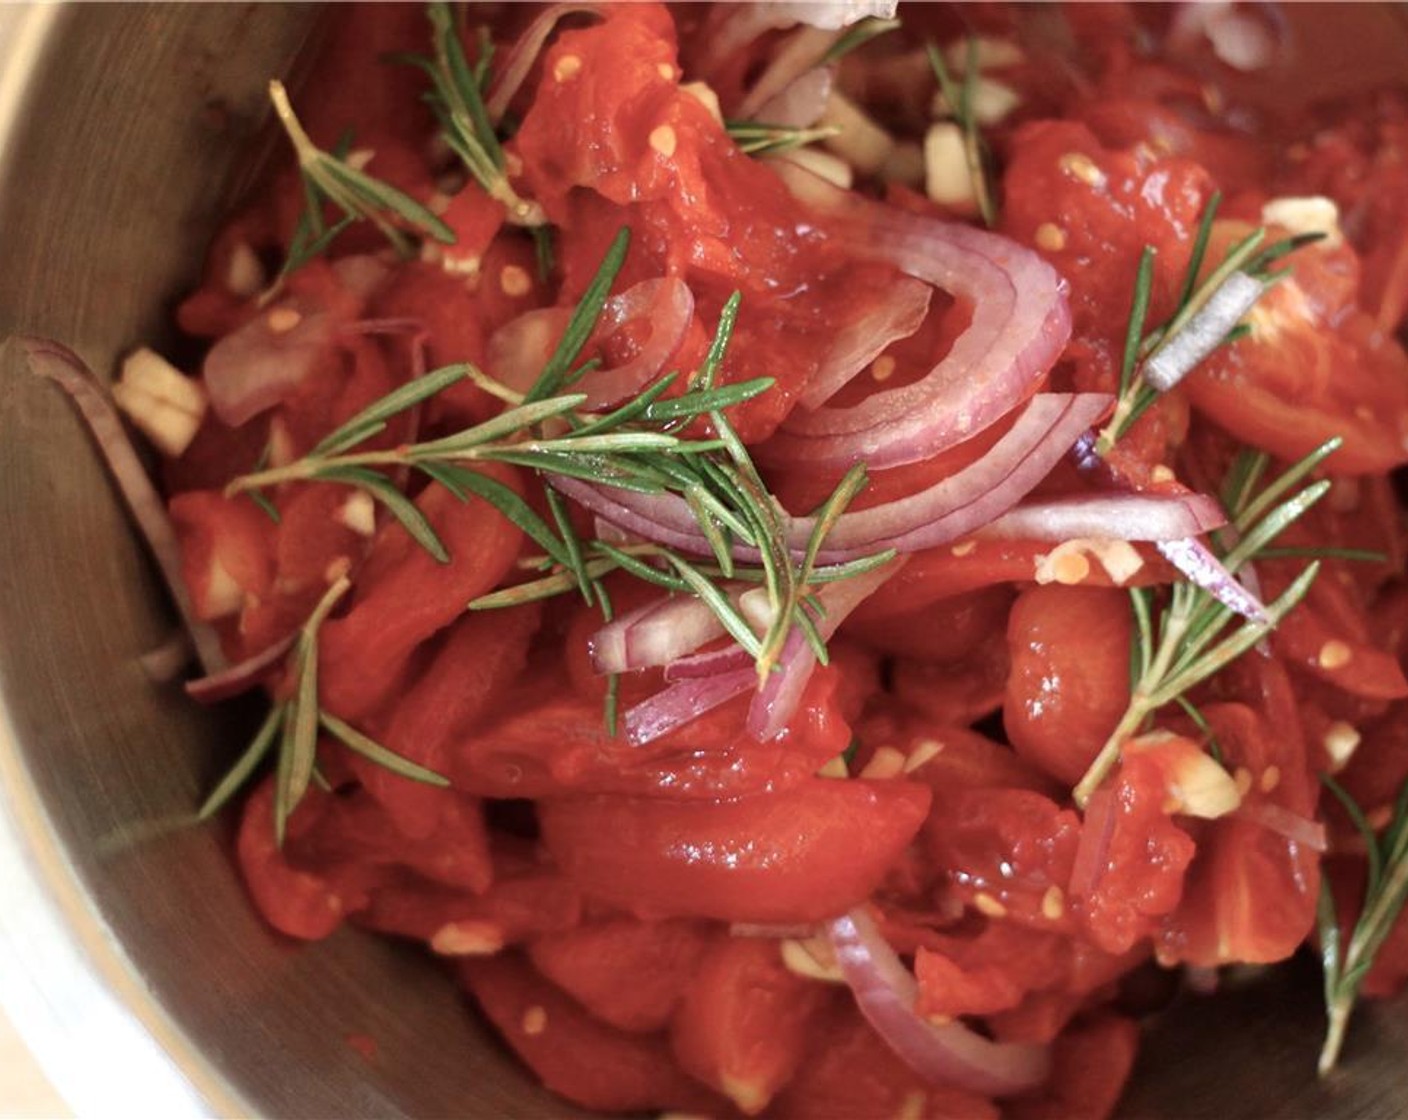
(295, 902)
(559, 745)
(404, 595)
(743, 1025)
(481, 655)
(799, 855)
(851, 1073)
(1250, 895)
(588, 1062)
(945, 631)
(629, 974)
(1092, 1062)
(1069, 684)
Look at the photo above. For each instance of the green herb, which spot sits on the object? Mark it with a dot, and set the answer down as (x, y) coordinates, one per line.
(639, 446)
(960, 103)
(1347, 961)
(1189, 640)
(857, 35)
(1247, 259)
(330, 178)
(755, 138)
(293, 725)
(457, 99)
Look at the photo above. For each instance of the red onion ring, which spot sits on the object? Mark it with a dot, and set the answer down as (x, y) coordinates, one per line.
(952, 508)
(682, 702)
(240, 677)
(1201, 567)
(254, 367)
(886, 992)
(801, 103)
(667, 305)
(861, 340)
(1284, 822)
(1020, 325)
(774, 704)
(709, 664)
(61, 365)
(655, 634)
(519, 349)
(1093, 850)
(526, 49)
(1119, 516)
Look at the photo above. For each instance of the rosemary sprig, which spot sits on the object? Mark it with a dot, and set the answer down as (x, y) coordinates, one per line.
(328, 177)
(1189, 640)
(857, 35)
(638, 446)
(293, 724)
(1348, 960)
(959, 97)
(457, 99)
(1208, 315)
(755, 138)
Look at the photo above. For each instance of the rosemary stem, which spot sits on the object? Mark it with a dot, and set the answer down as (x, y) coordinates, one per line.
(1141, 704)
(302, 143)
(1337, 1014)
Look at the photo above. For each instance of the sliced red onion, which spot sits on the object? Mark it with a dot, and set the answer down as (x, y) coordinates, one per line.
(859, 341)
(655, 634)
(519, 349)
(667, 305)
(1110, 516)
(684, 701)
(1093, 850)
(801, 103)
(774, 704)
(526, 49)
(960, 504)
(163, 663)
(1282, 821)
(1201, 567)
(254, 367)
(800, 52)
(1204, 332)
(1019, 327)
(240, 677)
(61, 365)
(952, 1055)
(709, 664)
(1238, 37)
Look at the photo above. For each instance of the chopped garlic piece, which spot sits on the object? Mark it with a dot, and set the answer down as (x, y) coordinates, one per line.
(467, 938)
(222, 597)
(1309, 214)
(663, 140)
(244, 275)
(358, 158)
(358, 513)
(992, 54)
(947, 180)
(861, 142)
(1069, 563)
(884, 763)
(703, 93)
(164, 404)
(835, 767)
(1198, 786)
(1341, 740)
(281, 449)
(812, 959)
(992, 102)
(926, 750)
(824, 165)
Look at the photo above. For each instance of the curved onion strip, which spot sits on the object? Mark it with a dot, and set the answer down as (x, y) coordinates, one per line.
(1020, 325)
(684, 701)
(667, 305)
(1118, 517)
(802, 102)
(254, 367)
(886, 992)
(777, 700)
(709, 664)
(163, 663)
(655, 634)
(959, 504)
(799, 52)
(242, 676)
(1093, 850)
(1202, 568)
(1284, 822)
(525, 52)
(519, 349)
(860, 341)
(61, 365)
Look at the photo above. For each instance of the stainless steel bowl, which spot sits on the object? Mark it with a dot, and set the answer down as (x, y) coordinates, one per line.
(129, 957)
